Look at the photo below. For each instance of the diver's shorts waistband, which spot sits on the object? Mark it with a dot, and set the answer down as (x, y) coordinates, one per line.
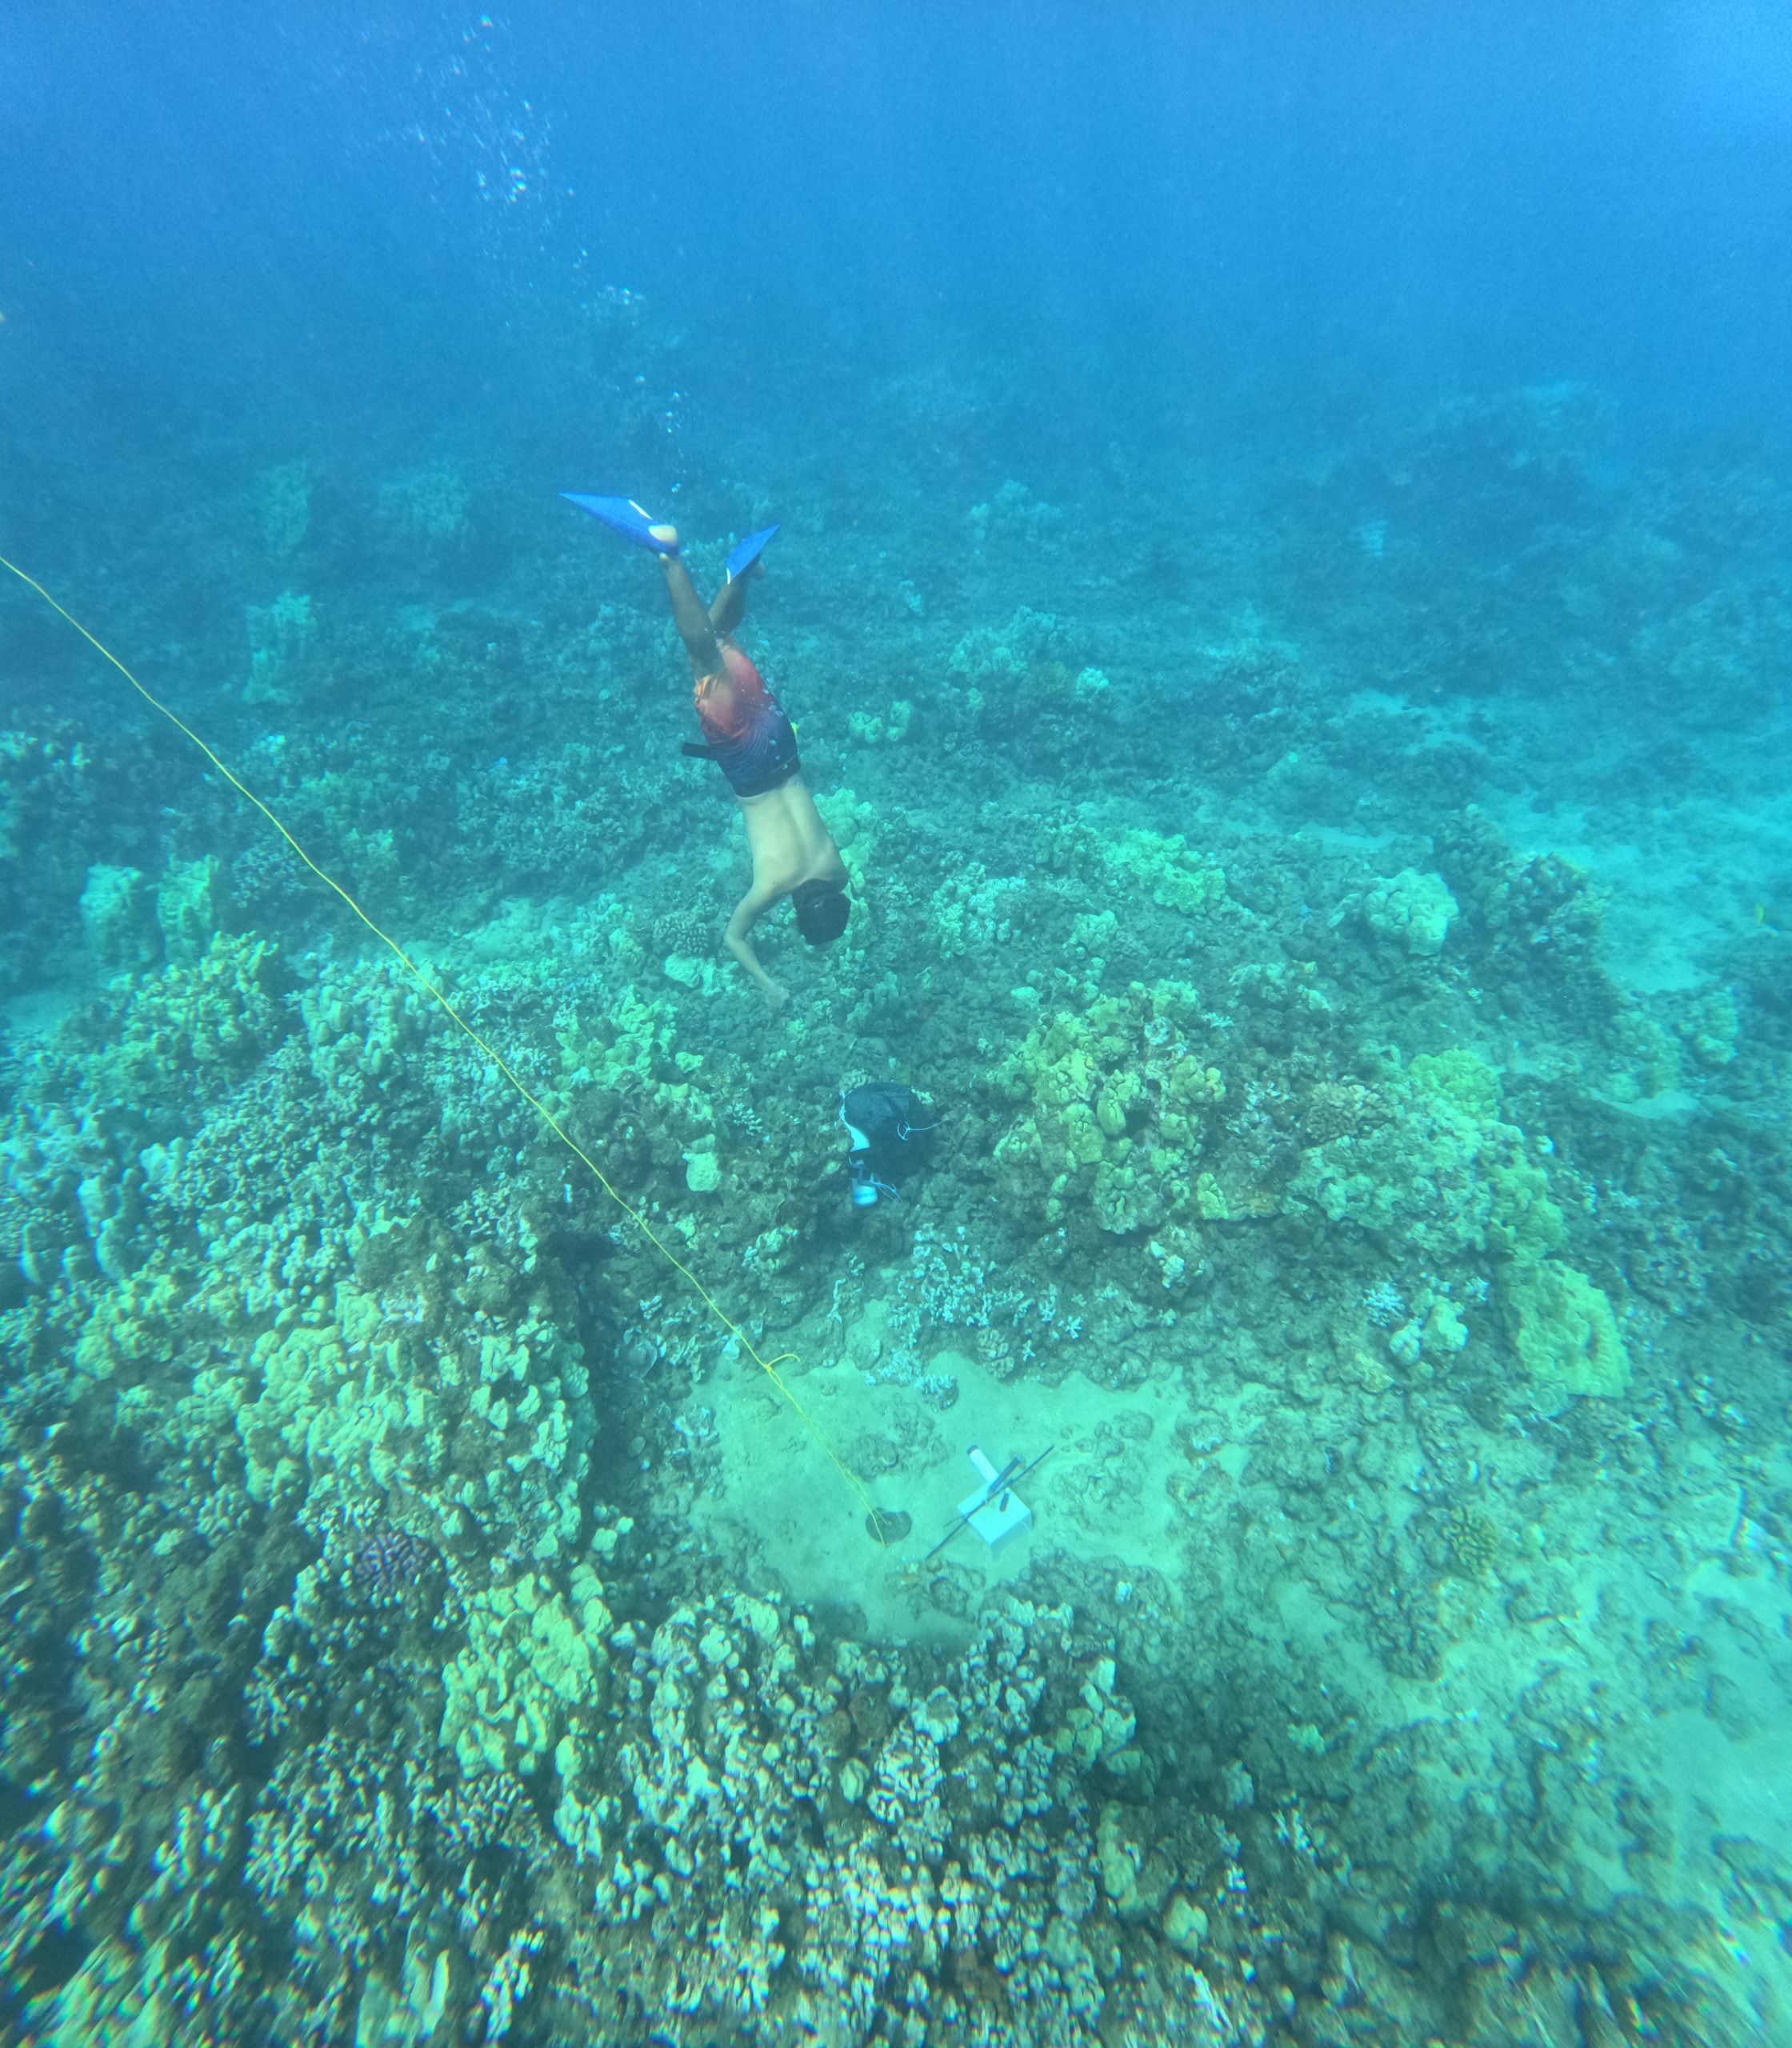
(755, 767)
(772, 777)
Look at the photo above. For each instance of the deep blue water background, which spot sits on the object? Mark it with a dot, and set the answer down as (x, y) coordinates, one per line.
(340, 219)
(1228, 294)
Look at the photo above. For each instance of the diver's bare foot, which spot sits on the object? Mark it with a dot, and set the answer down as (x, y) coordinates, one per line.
(664, 536)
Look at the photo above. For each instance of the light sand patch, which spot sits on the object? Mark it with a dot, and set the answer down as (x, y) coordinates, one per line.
(1685, 880)
(36, 1013)
(1099, 1495)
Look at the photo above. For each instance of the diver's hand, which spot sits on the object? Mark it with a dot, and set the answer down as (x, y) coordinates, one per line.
(773, 992)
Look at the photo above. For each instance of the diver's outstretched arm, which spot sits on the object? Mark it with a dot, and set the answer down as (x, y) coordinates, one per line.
(747, 913)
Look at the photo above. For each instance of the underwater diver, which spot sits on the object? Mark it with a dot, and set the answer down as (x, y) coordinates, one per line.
(888, 1127)
(748, 737)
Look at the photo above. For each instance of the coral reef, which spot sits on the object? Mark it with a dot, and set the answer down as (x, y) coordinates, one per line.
(1416, 909)
(1563, 1329)
(1113, 1101)
(408, 1627)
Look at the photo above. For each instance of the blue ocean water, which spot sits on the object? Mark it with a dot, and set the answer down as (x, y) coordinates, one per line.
(1273, 1525)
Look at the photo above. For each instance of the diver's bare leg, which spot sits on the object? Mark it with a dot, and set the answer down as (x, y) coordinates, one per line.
(694, 622)
(730, 602)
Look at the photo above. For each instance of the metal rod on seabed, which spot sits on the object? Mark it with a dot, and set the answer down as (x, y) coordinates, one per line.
(1004, 1482)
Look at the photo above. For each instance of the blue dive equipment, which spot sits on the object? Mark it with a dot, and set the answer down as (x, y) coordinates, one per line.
(887, 1127)
(747, 552)
(623, 516)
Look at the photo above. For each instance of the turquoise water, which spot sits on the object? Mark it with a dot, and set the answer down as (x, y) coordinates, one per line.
(1274, 1528)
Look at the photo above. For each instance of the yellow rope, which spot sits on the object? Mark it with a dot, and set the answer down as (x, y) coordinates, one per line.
(768, 1366)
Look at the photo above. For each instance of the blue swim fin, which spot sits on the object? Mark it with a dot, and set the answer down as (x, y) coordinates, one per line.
(747, 552)
(623, 516)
